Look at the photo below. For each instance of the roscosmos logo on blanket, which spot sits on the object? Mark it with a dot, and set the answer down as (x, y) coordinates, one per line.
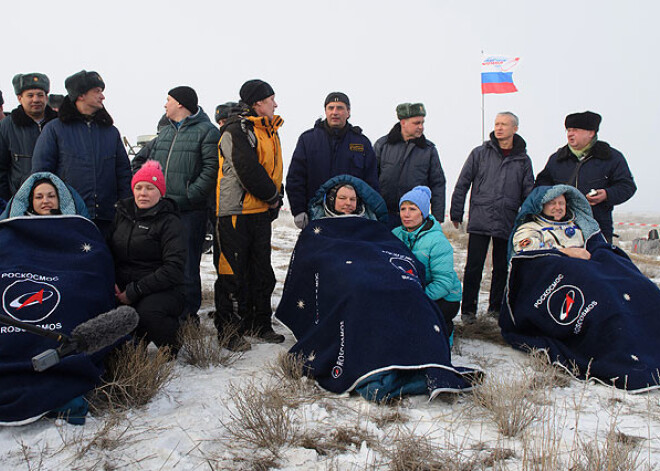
(338, 368)
(565, 303)
(404, 264)
(29, 299)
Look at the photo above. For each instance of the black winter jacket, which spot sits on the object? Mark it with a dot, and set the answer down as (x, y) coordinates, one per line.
(148, 249)
(499, 187)
(18, 135)
(404, 165)
(604, 168)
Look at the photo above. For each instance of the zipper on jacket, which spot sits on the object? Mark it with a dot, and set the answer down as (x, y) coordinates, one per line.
(169, 154)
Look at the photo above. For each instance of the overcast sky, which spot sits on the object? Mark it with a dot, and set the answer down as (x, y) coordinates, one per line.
(575, 55)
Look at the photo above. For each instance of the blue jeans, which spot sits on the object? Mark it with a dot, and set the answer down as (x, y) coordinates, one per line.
(194, 231)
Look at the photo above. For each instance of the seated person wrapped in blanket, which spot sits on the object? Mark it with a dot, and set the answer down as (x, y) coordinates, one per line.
(354, 299)
(56, 272)
(578, 298)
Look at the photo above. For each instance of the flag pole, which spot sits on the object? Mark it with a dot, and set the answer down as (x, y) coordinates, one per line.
(482, 107)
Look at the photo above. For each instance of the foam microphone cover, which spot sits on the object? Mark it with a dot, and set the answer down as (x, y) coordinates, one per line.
(105, 329)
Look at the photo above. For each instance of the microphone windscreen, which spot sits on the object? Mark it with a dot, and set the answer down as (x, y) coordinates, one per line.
(105, 329)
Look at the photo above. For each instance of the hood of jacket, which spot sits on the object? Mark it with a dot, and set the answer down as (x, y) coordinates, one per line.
(576, 203)
(69, 113)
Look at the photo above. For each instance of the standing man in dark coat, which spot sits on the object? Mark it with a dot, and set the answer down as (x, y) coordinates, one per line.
(500, 174)
(407, 159)
(187, 150)
(19, 132)
(332, 147)
(593, 167)
(84, 149)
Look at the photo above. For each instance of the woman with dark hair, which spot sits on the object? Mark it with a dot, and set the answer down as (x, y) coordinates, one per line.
(44, 194)
(149, 257)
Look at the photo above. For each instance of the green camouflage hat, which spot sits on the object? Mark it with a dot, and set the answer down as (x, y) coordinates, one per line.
(410, 110)
(22, 82)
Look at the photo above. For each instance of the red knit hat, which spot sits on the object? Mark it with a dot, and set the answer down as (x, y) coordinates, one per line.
(150, 172)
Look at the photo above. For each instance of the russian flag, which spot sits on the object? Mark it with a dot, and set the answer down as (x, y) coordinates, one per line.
(496, 76)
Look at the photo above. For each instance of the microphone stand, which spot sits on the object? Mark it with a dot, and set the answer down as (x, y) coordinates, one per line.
(50, 357)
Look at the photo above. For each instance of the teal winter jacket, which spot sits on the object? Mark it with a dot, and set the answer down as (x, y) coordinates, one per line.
(429, 244)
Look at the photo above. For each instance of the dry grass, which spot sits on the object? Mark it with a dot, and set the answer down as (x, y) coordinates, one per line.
(618, 452)
(413, 452)
(260, 418)
(510, 403)
(202, 347)
(133, 377)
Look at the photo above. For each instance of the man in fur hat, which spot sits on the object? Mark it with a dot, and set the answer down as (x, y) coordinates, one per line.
(407, 159)
(83, 148)
(19, 132)
(593, 167)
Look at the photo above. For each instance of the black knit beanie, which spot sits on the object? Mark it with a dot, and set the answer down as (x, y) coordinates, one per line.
(255, 90)
(337, 96)
(186, 96)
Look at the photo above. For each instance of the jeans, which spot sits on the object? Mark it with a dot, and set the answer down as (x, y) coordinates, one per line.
(474, 266)
(194, 231)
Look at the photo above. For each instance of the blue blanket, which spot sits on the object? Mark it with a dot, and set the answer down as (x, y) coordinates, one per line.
(55, 272)
(599, 318)
(355, 303)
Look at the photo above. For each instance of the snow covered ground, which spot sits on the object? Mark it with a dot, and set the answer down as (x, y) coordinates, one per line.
(191, 424)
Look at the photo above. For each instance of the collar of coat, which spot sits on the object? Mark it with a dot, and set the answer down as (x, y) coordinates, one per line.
(600, 150)
(128, 208)
(395, 136)
(69, 114)
(519, 144)
(323, 124)
(21, 118)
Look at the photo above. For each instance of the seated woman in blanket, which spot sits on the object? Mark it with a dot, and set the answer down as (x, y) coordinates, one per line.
(44, 194)
(57, 273)
(578, 298)
(354, 300)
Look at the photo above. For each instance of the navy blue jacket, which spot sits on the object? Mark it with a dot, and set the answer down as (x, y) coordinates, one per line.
(321, 154)
(18, 135)
(604, 167)
(88, 155)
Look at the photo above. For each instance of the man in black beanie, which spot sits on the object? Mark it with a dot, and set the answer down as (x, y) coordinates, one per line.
(249, 196)
(187, 150)
(593, 167)
(84, 148)
(19, 132)
(332, 147)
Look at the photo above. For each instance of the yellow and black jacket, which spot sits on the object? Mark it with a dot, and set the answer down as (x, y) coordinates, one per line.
(250, 161)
